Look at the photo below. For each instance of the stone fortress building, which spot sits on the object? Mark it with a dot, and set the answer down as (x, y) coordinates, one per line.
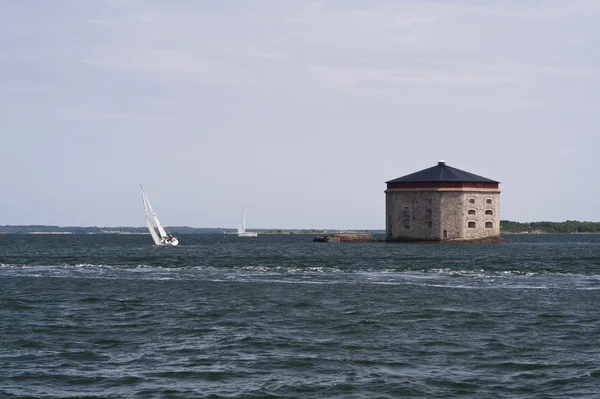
(442, 203)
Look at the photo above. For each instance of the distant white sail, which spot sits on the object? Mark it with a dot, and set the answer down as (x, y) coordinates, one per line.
(242, 227)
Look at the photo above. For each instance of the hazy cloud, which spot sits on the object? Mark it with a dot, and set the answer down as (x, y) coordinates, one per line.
(297, 110)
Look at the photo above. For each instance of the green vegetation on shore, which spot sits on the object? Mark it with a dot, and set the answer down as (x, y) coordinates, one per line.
(570, 226)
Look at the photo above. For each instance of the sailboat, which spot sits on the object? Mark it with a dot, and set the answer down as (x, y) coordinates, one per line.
(164, 238)
(242, 227)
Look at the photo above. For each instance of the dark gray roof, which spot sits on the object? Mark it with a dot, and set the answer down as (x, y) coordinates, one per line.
(441, 173)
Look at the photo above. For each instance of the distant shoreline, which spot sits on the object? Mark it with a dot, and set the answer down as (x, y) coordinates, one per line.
(506, 227)
(78, 230)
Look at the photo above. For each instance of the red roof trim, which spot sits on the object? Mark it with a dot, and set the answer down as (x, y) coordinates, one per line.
(442, 185)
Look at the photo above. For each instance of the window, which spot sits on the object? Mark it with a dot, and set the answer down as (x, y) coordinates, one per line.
(428, 214)
(489, 212)
(445, 233)
(472, 225)
(406, 227)
(471, 200)
(471, 212)
(429, 224)
(488, 201)
(489, 225)
(405, 213)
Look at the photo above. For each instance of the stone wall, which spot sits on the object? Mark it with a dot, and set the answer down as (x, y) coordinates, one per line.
(354, 237)
(441, 214)
(480, 218)
(452, 215)
(413, 215)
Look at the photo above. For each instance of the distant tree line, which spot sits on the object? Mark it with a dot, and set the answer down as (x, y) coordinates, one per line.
(49, 229)
(570, 226)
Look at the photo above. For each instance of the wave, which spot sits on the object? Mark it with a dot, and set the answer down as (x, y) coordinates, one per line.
(455, 278)
(300, 268)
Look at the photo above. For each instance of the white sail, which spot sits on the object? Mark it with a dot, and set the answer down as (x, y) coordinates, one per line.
(164, 239)
(242, 227)
(161, 230)
(150, 228)
(153, 233)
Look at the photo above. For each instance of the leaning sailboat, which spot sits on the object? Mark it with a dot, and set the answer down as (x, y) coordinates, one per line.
(162, 238)
(242, 227)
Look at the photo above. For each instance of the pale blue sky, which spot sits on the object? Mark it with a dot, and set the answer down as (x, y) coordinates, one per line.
(297, 110)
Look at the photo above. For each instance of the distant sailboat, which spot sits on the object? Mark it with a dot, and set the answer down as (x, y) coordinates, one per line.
(242, 227)
(164, 239)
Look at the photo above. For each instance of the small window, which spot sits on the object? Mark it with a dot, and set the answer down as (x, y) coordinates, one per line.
(406, 227)
(489, 212)
(489, 225)
(405, 215)
(445, 233)
(472, 225)
(429, 224)
(471, 200)
(471, 212)
(488, 201)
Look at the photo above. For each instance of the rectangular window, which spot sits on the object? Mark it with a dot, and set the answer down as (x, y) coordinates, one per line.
(471, 200)
(405, 213)
(428, 214)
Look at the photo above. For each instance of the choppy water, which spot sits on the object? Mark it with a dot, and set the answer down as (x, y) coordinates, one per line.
(282, 317)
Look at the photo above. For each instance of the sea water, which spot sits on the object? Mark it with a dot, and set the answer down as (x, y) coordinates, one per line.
(279, 316)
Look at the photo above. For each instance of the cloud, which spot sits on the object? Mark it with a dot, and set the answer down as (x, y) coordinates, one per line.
(437, 73)
(303, 84)
(76, 114)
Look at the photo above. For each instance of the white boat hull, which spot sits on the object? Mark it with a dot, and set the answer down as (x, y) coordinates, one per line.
(247, 234)
(174, 242)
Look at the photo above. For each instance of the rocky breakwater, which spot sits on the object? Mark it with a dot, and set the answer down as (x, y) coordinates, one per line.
(345, 237)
